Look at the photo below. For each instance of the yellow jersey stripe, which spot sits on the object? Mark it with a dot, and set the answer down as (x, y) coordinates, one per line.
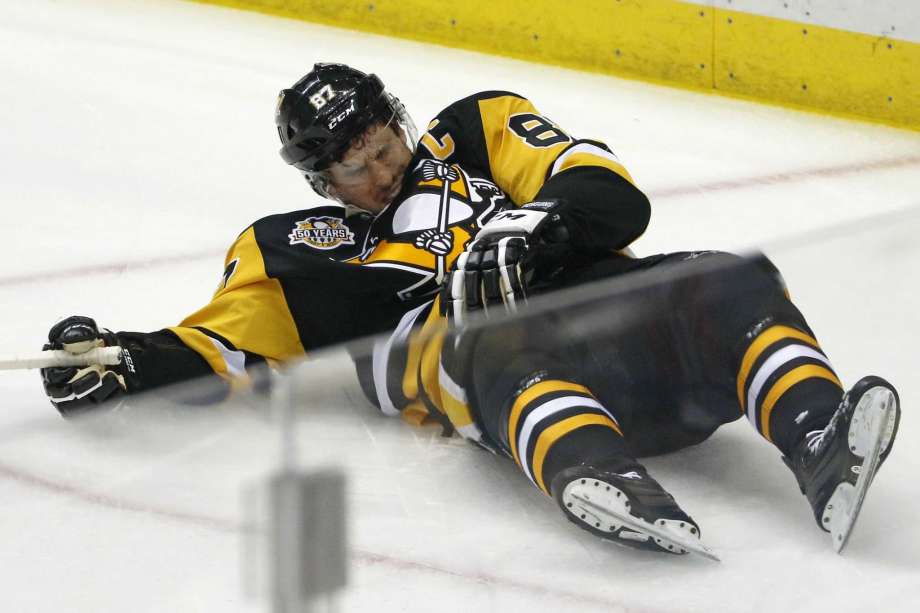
(272, 334)
(592, 159)
(522, 167)
(431, 362)
(414, 413)
(455, 403)
(413, 360)
(421, 362)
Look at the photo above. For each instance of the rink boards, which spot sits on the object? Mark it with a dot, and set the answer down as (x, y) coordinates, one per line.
(858, 59)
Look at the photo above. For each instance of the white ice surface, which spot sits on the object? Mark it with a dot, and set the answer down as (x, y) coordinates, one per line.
(137, 141)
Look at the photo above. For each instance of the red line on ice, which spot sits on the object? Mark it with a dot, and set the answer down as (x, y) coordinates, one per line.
(104, 269)
(364, 558)
(779, 178)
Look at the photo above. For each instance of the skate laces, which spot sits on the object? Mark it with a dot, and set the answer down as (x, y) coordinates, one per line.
(814, 439)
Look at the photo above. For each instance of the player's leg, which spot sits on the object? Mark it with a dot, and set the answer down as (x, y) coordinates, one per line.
(786, 387)
(535, 408)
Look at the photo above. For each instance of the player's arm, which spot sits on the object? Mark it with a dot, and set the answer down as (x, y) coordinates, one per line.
(605, 210)
(246, 321)
(532, 158)
(148, 360)
(576, 199)
(284, 291)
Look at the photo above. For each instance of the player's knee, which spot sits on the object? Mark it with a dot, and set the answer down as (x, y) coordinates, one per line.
(757, 267)
(499, 396)
(767, 267)
(715, 258)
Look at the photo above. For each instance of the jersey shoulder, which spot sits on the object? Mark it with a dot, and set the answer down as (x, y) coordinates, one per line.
(479, 109)
(328, 231)
(297, 242)
(471, 102)
(502, 134)
(463, 131)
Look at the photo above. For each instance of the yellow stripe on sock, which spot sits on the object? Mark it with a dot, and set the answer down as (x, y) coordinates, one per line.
(552, 434)
(766, 338)
(530, 394)
(791, 378)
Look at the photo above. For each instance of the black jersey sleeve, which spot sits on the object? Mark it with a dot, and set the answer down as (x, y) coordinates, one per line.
(159, 359)
(605, 210)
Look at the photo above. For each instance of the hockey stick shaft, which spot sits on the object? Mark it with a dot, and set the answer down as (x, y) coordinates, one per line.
(108, 356)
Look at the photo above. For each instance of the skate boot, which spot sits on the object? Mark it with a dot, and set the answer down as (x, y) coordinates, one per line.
(622, 503)
(835, 466)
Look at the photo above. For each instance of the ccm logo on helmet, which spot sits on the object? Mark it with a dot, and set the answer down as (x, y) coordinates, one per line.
(337, 119)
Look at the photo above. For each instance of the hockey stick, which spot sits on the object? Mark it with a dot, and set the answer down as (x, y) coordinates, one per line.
(108, 356)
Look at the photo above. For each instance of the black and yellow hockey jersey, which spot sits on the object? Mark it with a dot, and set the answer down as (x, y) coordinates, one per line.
(318, 277)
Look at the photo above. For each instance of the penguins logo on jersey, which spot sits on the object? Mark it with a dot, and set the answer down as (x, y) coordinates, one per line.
(442, 208)
(322, 233)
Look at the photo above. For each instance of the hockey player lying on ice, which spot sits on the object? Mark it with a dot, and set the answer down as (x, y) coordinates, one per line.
(494, 201)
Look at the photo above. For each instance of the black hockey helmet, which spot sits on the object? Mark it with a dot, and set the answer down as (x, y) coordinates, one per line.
(321, 114)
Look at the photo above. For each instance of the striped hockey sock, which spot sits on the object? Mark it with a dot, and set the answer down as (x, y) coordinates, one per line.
(786, 385)
(556, 424)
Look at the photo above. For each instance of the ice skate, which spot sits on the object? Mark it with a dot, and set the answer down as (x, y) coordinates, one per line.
(625, 505)
(835, 466)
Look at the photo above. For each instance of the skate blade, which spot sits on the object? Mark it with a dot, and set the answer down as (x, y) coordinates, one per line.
(665, 535)
(870, 436)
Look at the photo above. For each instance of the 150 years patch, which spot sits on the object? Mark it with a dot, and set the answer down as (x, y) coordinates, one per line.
(322, 233)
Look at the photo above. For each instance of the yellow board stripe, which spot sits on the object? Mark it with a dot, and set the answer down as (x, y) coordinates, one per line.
(807, 65)
(765, 339)
(531, 393)
(552, 434)
(794, 376)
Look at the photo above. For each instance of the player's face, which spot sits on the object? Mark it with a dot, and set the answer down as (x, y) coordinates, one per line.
(371, 172)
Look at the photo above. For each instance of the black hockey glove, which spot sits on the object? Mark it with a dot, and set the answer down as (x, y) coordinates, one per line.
(514, 250)
(74, 390)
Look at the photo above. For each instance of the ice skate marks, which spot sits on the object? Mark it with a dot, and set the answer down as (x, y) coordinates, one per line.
(871, 431)
(603, 507)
